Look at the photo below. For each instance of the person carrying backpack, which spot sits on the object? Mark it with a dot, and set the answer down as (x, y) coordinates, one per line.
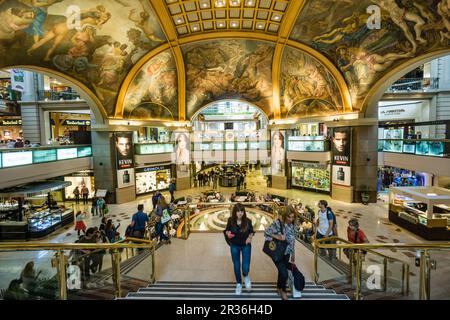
(326, 227)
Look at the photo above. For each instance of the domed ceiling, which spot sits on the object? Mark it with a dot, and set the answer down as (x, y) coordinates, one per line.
(165, 59)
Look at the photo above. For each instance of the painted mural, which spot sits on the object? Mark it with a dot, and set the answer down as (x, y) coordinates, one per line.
(339, 29)
(153, 92)
(307, 88)
(229, 69)
(95, 42)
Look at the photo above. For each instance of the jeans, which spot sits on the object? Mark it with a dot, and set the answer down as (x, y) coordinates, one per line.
(282, 267)
(323, 252)
(159, 228)
(236, 256)
(85, 198)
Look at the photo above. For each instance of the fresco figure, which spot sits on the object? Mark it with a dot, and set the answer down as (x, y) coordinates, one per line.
(96, 17)
(13, 20)
(401, 17)
(40, 8)
(444, 11)
(143, 22)
(351, 26)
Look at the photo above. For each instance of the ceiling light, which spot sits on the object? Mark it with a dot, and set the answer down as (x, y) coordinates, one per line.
(249, 2)
(179, 20)
(277, 17)
(235, 2)
(260, 26)
(234, 24)
(220, 3)
(195, 28)
(221, 24)
(205, 5)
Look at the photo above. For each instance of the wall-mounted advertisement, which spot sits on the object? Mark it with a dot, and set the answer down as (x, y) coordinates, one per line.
(44, 155)
(125, 178)
(124, 149)
(278, 155)
(67, 153)
(80, 179)
(182, 153)
(342, 175)
(152, 179)
(342, 151)
(14, 159)
(311, 176)
(17, 80)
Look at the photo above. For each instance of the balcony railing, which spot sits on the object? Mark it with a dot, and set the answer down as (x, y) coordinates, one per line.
(424, 147)
(44, 95)
(414, 85)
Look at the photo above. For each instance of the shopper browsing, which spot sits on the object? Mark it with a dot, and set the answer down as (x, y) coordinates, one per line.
(138, 222)
(326, 226)
(79, 222)
(239, 232)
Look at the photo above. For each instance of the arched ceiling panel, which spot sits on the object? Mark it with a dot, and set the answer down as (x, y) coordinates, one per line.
(340, 30)
(229, 69)
(307, 87)
(98, 49)
(153, 92)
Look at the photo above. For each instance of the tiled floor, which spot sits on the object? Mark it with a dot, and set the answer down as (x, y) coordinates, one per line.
(206, 257)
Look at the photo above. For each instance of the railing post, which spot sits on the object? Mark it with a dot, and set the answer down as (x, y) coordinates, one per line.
(407, 279)
(153, 273)
(116, 270)
(351, 267)
(424, 288)
(62, 274)
(385, 271)
(316, 258)
(358, 295)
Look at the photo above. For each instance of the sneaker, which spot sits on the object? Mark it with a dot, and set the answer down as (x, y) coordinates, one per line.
(238, 289)
(248, 283)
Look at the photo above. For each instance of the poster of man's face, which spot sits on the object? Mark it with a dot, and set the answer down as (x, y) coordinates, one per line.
(124, 149)
(341, 141)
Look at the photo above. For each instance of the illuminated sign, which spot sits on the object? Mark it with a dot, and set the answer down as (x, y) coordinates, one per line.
(77, 122)
(68, 153)
(13, 159)
(10, 122)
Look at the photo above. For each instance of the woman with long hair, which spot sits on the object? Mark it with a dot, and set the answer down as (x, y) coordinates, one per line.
(239, 232)
(277, 153)
(283, 230)
(182, 152)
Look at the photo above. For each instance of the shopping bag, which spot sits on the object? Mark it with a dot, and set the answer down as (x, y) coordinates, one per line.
(165, 216)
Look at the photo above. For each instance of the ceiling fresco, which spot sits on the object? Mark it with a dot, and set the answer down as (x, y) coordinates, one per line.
(339, 29)
(229, 69)
(307, 88)
(153, 92)
(97, 49)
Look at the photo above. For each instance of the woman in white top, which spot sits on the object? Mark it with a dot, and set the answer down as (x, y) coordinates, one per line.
(278, 153)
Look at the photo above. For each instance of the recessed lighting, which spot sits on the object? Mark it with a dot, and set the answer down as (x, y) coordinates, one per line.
(204, 4)
(234, 24)
(249, 2)
(195, 28)
(260, 26)
(179, 20)
(277, 17)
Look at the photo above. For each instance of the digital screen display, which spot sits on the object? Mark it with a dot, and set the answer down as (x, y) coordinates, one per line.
(154, 148)
(44, 155)
(13, 159)
(69, 153)
(84, 152)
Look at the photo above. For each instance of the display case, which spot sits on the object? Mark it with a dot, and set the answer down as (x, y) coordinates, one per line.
(152, 179)
(417, 210)
(42, 223)
(308, 144)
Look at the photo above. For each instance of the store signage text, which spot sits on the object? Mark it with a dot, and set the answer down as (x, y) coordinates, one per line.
(77, 122)
(13, 122)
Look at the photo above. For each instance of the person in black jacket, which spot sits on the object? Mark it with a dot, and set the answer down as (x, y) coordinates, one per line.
(239, 232)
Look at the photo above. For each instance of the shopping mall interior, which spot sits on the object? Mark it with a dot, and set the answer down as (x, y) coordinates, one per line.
(198, 109)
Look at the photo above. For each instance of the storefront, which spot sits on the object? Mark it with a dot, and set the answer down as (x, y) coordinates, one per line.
(80, 179)
(72, 126)
(10, 129)
(32, 211)
(396, 177)
(151, 179)
(424, 211)
(311, 176)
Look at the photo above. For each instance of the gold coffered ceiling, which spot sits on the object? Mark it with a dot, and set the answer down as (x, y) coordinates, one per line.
(191, 17)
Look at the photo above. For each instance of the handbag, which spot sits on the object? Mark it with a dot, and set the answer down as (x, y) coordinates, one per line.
(298, 279)
(275, 248)
(165, 216)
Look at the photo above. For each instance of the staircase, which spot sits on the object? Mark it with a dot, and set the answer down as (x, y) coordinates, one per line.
(173, 290)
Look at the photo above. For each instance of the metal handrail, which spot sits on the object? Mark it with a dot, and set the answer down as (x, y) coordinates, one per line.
(61, 261)
(358, 249)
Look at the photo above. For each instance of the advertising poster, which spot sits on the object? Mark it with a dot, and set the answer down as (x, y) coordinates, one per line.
(342, 152)
(152, 179)
(342, 175)
(17, 80)
(124, 150)
(278, 154)
(182, 153)
(80, 181)
(125, 178)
